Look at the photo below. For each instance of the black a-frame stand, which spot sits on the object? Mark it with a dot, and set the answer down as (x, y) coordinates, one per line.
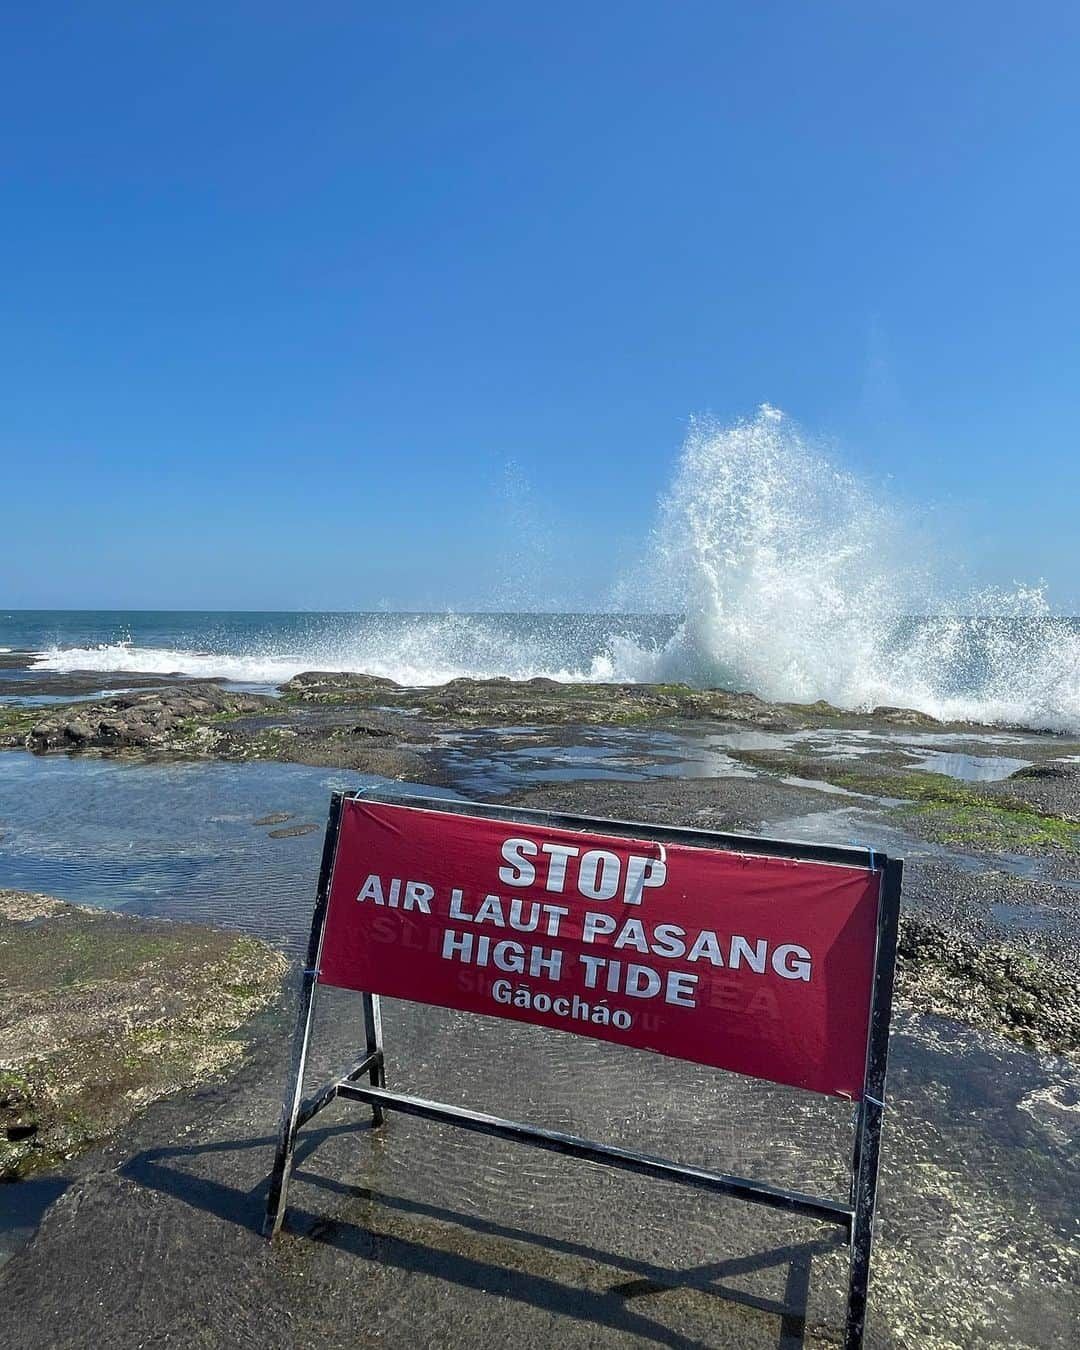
(855, 1216)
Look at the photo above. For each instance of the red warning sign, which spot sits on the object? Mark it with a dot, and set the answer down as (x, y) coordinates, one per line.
(762, 965)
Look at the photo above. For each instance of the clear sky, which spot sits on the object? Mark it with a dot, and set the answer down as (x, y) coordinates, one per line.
(347, 305)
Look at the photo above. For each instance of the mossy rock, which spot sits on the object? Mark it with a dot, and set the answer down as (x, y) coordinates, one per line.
(993, 987)
(101, 1014)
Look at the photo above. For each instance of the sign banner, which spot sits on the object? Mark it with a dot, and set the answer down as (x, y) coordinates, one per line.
(758, 964)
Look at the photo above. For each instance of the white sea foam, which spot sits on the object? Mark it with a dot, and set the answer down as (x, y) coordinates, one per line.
(411, 649)
(799, 584)
(121, 656)
(796, 582)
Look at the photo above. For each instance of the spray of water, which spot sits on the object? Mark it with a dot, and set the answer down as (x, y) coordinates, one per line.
(800, 584)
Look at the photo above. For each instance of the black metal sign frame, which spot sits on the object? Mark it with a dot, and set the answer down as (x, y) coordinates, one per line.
(855, 1216)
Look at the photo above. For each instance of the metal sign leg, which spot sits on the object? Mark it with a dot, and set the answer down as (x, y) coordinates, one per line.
(290, 1111)
(864, 1200)
(278, 1198)
(373, 1032)
(866, 1204)
(866, 1154)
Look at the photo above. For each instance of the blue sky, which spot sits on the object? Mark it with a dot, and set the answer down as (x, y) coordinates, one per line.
(344, 305)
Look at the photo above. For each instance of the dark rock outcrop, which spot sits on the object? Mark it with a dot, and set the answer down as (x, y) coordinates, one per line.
(155, 719)
(329, 686)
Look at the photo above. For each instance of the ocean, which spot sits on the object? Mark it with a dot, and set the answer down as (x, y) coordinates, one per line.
(768, 568)
(1002, 669)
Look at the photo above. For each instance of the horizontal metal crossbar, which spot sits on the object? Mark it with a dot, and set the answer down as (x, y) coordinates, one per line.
(816, 1207)
(760, 846)
(326, 1095)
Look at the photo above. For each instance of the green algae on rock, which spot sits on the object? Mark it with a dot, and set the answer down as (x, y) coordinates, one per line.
(544, 701)
(983, 816)
(992, 987)
(15, 725)
(104, 1013)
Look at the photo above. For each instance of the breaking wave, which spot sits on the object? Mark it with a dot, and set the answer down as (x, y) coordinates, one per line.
(789, 577)
(127, 656)
(413, 649)
(800, 584)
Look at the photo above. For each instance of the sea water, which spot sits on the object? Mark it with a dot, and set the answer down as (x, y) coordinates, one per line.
(769, 569)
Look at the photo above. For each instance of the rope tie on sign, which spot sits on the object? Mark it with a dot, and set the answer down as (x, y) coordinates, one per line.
(312, 970)
(854, 843)
(874, 1101)
(639, 889)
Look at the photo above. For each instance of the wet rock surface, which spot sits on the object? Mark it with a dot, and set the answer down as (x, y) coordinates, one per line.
(547, 701)
(203, 720)
(183, 717)
(984, 817)
(1052, 787)
(104, 1013)
(735, 805)
(415, 1234)
(339, 720)
(503, 701)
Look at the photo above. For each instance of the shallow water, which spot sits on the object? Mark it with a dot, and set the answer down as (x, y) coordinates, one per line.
(502, 761)
(971, 768)
(66, 823)
(176, 840)
(978, 1201)
(497, 763)
(17, 700)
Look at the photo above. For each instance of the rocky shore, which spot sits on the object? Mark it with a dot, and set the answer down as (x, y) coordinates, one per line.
(985, 1080)
(982, 942)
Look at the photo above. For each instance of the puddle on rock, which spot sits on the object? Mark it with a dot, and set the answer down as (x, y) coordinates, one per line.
(176, 840)
(970, 768)
(495, 762)
(1027, 917)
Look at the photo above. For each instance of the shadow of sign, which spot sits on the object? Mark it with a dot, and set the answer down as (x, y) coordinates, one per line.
(478, 1253)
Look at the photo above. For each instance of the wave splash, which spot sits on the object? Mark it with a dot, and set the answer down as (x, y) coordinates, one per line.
(798, 584)
(412, 649)
(790, 579)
